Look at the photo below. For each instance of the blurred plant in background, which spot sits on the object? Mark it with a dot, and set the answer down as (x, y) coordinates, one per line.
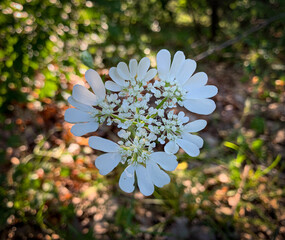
(50, 188)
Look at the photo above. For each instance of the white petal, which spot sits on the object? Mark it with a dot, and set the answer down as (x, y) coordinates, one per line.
(181, 114)
(182, 118)
(171, 147)
(133, 65)
(200, 106)
(197, 80)
(123, 71)
(163, 63)
(116, 77)
(82, 95)
(150, 74)
(96, 83)
(103, 144)
(144, 181)
(107, 162)
(112, 86)
(177, 63)
(195, 126)
(166, 161)
(186, 71)
(185, 120)
(80, 106)
(73, 115)
(190, 148)
(198, 141)
(202, 92)
(81, 129)
(127, 179)
(158, 177)
(144, 65)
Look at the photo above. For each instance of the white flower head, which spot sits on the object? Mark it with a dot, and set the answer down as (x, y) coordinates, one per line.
(143, 108)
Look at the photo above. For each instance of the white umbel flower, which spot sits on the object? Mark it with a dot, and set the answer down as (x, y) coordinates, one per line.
(83, 100)
(141, 125)
(148, 173)
(190, 143)
(194, 92)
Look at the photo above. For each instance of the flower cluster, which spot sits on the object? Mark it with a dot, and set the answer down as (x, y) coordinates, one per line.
(141, 102)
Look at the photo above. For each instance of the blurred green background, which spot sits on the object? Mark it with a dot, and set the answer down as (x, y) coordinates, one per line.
(49, 187)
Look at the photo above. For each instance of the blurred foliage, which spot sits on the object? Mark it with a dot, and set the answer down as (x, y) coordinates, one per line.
(49, 187)
(41, 41)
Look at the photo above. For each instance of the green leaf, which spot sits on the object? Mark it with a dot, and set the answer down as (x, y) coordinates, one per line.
(260, 173)
(87, 59)
(231, 145)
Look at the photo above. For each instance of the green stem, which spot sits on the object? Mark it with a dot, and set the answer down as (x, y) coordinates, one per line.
(123, 120)
(158, 107)
(115, 116)
(161, 103)
(137, 110)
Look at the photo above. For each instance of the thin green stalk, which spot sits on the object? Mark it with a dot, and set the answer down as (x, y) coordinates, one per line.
(158, 107)
(161, 103)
